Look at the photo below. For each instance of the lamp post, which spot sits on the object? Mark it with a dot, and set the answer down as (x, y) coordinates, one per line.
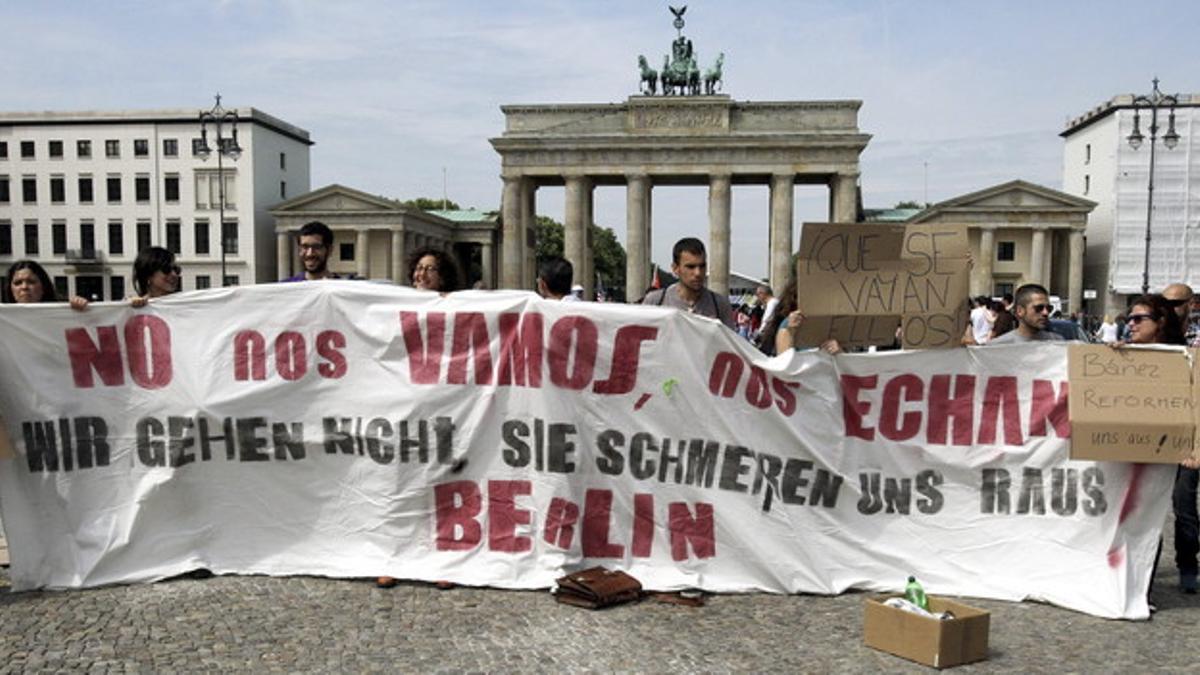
(1155, 100)
(222, 120)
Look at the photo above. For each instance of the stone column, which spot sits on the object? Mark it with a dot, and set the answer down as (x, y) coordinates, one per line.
(283, 254)
(1037, 255)
(984, 283)
(486, 265)
(1075, 270)
(637, 271)
(844, 197)
(512, 241)
(719, 198)
(398, 256)
(649, 220)
(362, 256)
(588, 280)
(1047, 264)
(782, 186)
(528, 229)
(574, 229)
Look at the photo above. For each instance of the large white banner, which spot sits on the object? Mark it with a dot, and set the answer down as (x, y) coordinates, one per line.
(491, 438)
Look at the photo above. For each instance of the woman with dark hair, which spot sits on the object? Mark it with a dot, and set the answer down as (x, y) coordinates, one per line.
(155, 274)
(787, 317)
(1152, 320)
(431, 269)
(27, 282)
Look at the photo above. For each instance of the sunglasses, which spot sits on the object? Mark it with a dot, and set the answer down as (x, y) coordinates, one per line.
(1038, 309)
(1178, 302)
(1138, 318)
(167, 269)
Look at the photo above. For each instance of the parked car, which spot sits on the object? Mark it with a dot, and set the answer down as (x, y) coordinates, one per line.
(1070, 330)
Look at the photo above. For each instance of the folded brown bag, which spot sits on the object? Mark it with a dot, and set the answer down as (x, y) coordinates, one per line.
(597, 587)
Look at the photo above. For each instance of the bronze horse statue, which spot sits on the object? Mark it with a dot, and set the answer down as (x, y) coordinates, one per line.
(712, 76)
(649, 81)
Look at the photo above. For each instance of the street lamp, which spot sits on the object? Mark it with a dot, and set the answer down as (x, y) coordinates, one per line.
(221, 119)
(1154, 101)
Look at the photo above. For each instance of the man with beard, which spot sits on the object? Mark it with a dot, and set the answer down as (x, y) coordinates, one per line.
(316, 241)
(1032, 307)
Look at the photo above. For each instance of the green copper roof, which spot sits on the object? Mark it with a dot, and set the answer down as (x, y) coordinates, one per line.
(464, 215)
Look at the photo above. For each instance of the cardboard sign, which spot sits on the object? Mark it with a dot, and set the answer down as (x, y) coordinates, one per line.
(1131, 404)
(859, 283)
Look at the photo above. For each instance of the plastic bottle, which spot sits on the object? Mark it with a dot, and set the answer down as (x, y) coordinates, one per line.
(915, 594)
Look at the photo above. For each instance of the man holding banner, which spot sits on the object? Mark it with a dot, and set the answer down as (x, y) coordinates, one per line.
(689, 262)
(1032, 308)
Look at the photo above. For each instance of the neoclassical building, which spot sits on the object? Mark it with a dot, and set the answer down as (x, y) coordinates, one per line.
(373, 236)
(712, 141)
(1021, 233)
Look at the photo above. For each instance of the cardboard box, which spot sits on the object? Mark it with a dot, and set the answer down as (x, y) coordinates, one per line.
(933, 642)
(1131, 404)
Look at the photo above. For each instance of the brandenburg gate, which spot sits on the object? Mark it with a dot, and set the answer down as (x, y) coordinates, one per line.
(649, 140)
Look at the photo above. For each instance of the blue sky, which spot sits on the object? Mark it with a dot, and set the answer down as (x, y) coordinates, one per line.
(393, 92)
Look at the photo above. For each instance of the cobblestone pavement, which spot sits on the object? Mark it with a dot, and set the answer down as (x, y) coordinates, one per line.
(266, 624)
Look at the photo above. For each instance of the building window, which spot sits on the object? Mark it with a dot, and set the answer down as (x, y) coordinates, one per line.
(60, 287)
(208, 190)
(203, 281)
(83, 149)
(201, 237)
(29, 190)
(231, 280)
(229, 234)
(56, 149)
(283, 161)
(173, 239)
(141, 188)
(117, 285)
(58, 190)
(87, 239)
(171, 188)
(113, 188)
(141, 147)
(5, 238)
(283, 189)
(1087, 184)
(116, 239)
(143, 235)
(1006, 250)
(31, 238)
(197, 147)
(27, 151)
(4, 194)
(346, 251)
(112, 148)
(3, 149)
(170, 147)
(58, 237)
(1087, 154)
(85, 189)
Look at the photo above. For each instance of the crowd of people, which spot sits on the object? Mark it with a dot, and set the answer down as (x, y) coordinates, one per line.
(1170, 317)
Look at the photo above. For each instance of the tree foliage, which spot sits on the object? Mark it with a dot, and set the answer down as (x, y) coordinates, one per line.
(429, 204)
(909, 204)
(608, 256)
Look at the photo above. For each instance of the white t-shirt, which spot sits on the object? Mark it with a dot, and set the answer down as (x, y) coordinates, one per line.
(981, 324)
(1108, 333)
(769, 312)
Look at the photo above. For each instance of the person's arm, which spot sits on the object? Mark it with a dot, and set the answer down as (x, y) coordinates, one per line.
(78, 303)
(783, 334)
(138, 301)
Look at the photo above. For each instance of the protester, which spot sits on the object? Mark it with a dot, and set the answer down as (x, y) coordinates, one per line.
(690, 264)
(1179, 297)
(766, 299)
(554, 279)
(1107, 333)
(1004, 322)
(315, 242)
(982, 319)
(27, 282)
(778, 333)
(432, 269)
(1032, 310)
(1007, 301)
(155, 274)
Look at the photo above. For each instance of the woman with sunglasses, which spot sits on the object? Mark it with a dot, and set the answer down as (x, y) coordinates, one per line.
(155, 274)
